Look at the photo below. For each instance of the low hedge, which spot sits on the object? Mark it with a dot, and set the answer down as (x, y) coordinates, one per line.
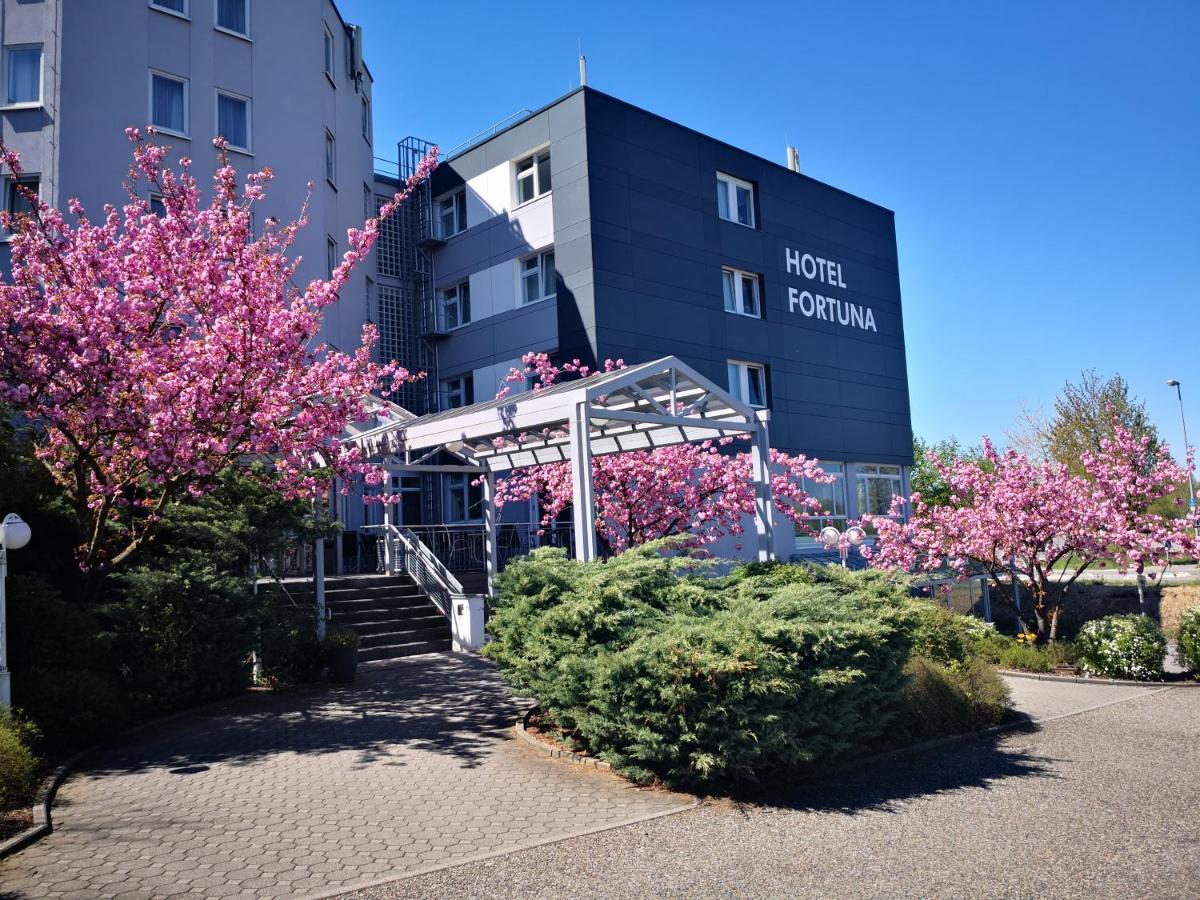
(1188, 638)
(941, 700)
(1129, 646)
(704, 681)
(18, 764)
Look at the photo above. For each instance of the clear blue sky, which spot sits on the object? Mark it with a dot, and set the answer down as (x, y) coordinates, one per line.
(1043, 159)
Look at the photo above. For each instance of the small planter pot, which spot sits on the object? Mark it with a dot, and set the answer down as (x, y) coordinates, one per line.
(343, 663)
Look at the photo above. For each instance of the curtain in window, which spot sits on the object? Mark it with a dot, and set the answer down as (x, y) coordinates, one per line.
(168, 104)
(24, 75)
(232, 121)
(231, 14)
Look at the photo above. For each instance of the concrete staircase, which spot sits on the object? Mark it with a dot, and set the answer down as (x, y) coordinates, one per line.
(389, 612)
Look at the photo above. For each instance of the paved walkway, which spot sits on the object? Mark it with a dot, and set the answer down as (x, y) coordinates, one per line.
(1102, 804)
(301, 794)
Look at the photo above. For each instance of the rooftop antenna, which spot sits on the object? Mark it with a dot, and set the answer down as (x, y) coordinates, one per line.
(582, 66)
(793, 158)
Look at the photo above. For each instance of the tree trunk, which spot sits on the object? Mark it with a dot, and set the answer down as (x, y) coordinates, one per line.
(1054, 614)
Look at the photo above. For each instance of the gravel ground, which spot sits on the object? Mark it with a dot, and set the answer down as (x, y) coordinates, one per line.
(1100, 804)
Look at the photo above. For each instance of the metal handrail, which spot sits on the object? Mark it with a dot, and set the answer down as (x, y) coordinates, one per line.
(408, 554)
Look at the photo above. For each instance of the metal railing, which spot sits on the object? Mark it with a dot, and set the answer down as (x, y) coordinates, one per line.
(403, 552)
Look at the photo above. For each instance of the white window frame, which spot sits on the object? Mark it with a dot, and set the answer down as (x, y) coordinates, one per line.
(867, 472)
(738, 298)
(186, 14)
(456, 386)
(331, 158)
(730, 184)
(243, 35)
(741, 369)
(367, 124)
(540, 256)
(840, 500)
(452, 298)
(249, 150)
(187, 103)
(26, 104)
(460, 215)
(533, 159)
(161, 200)
(329, 55)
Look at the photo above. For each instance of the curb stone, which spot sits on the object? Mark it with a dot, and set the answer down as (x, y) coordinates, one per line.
(1082, 679)
(568, 755)
(43, 799)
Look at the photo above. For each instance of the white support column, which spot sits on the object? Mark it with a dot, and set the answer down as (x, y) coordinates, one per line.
(491, 545)
(760, 459)
(387, 538)
(583, 501)
(319, 584)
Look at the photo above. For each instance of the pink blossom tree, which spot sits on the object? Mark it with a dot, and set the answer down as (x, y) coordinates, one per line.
(704, 489)
(149, 352)
(1039, 523)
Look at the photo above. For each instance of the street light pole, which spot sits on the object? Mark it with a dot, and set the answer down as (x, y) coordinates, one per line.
(1173, 382)
(14, 534)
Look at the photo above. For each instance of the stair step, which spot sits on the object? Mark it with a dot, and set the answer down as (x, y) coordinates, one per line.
(379, 626)
(405, 636)
(394, 651)
(351, 604)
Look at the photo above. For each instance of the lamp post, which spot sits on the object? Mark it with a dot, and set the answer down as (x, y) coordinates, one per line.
(14, 534)
(851, 536)
(1174, 382)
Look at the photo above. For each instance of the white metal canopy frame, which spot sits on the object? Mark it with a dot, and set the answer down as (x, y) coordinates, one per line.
(653, 404)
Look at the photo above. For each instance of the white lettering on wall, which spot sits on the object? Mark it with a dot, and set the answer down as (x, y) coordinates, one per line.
(813, 305)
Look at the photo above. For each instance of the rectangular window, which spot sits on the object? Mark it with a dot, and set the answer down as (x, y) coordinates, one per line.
(368, 203)
(456, 306)
(452, 213)
(174, 6)
(16, 200)
(169, 103)
(329, 54)
(24, 74)
(331, 259)
(832, 498)
(366, 119)
(741, 291)
(735, 200)
(748, 382)
(458, 391)
(464, 501)
(234, 16)
(533, 176)
(876, 486)
(537, 277)
(330, 159)
(157, 206)
(233, 120)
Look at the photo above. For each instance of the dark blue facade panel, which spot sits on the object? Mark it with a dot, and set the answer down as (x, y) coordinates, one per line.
(831, 335)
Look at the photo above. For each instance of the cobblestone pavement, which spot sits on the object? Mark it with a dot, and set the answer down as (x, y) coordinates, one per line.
(1101, 804)
(301, 794)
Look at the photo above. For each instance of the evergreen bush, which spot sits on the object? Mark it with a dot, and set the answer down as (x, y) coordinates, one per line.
(1188, 638)
(1128, 646)
(942, 700)
(704, 681)
(18, 764)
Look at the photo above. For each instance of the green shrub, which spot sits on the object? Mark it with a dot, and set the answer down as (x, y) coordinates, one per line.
(942, 636)
(1128, 646)
(291, 652)
(341, 637)
(704, 681)
(71, 707)
(941, 700)
(1024, 657)
(1188, 638)
(18, 765)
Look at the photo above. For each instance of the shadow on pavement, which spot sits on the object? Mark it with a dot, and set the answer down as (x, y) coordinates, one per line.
(881, 785)
(452, 705)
